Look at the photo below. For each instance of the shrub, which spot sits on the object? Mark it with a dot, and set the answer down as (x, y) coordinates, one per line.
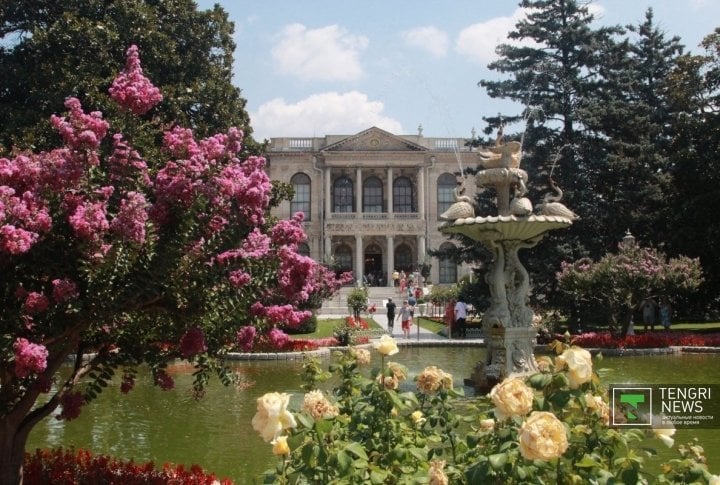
(70, 467)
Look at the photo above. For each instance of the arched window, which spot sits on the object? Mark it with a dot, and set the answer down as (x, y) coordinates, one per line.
(343, 194)
(303, 249)
(301, 200)
(403, 195)
(403, 258)
(372, 195)
(447, 267)
(343, 258)
(445, 192)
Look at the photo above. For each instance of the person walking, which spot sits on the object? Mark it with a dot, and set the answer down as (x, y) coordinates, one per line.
(460, 317)
(390, 306)
(405, 316)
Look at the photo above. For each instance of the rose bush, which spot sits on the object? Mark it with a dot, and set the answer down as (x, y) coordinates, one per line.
(552, 427)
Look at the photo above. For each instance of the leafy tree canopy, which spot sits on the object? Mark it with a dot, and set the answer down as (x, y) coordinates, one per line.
(50, 50)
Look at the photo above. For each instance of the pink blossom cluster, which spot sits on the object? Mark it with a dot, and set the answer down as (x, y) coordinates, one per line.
(131, 89)
(289, 231)
(126, 163)
(89, 220)
(246, 337)
(22, 221)
(247, 186)
(64, 289)
(72, 403)
(296, 275)
(129, 223)
(35, 303)
(239, 278)
(278, 338)
(30, 358)
(286, 315)
(192, 343)
(81, 131)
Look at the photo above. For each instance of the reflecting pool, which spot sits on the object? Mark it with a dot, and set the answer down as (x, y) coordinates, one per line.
(149, 424)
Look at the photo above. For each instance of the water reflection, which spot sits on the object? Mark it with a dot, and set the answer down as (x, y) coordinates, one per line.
(149, 424)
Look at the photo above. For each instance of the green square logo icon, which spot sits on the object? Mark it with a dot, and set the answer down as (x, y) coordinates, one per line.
(632, 406)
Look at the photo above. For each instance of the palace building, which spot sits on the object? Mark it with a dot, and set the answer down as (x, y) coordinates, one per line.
(372, 200)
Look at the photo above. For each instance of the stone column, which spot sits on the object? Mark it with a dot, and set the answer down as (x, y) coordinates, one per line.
(328, 248)
(421, 248)
(421, 191)
(328, 194)
(359, 259)
(358, 190)
(390, 259)
(390, 191)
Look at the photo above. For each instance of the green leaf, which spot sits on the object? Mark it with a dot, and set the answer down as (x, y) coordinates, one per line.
(498, 460)
(357, 450)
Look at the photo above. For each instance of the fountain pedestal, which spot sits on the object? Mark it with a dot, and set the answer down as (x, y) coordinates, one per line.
(508, 322)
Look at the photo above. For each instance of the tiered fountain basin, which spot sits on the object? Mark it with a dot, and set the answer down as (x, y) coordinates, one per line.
(498, 228)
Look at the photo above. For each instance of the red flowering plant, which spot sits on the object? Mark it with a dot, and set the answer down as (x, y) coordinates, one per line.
(132, 260)
(647, 340)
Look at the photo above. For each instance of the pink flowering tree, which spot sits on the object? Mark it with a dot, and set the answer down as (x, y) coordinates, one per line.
(124, 260)
(619, 281)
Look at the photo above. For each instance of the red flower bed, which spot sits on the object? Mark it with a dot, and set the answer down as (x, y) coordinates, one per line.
(70, 467)
(648, 340)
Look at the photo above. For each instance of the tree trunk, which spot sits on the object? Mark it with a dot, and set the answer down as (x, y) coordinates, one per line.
(12, 453)
(626, 322)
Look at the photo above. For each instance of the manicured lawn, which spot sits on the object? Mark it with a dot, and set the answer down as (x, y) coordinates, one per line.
(325, 327)
(430, 325)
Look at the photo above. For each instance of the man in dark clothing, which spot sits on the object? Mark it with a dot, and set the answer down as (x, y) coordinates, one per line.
(390, 315)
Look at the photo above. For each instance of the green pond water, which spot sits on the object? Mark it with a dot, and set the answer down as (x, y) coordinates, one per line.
(149, 424)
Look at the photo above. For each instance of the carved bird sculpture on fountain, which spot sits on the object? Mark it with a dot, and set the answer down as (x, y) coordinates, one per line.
(506, 155)
(551, 205)
(520, 205)
(461, 208)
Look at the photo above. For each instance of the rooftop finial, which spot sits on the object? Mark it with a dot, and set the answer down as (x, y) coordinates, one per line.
(420, 128)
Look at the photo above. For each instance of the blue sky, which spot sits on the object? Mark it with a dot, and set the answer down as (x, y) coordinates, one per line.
(317, 67)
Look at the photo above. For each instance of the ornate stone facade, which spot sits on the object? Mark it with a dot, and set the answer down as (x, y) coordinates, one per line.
(372, 200)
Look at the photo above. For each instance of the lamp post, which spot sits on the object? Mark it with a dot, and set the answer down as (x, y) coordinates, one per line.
(628, 239)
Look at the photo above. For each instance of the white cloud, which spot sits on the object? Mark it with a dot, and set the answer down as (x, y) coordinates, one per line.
(478, 41)
(328, 53)
(430, 39)
(320, 115)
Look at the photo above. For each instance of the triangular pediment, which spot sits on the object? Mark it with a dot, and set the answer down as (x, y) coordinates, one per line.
(374, 139)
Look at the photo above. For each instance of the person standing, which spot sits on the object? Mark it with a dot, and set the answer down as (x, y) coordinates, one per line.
(648, 307)
(460, 317)
(405, 316)
(390, 306)
(665, 313)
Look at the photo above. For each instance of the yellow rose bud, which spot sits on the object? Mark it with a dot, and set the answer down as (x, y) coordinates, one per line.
(417, 417)
(280, 446)
(665, 435)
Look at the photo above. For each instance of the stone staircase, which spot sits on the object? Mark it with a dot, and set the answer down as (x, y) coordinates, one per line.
(377, 295)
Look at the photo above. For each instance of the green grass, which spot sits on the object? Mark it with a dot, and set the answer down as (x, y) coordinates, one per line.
(325, 327)
(430, 325)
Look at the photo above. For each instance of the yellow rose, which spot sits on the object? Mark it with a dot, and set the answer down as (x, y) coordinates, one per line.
(544, 363)
(578, 363)
(280, 446)
(665, 435)
(598, 404)
(542, 437)
(390, 383)
(436, 474)
(487, 424)
(417, 417)
(386, 345)
(512, 397)
(272, 416)
(398, 370)
(432, 379)
(316, 405)
(714, 480)
(362, 356)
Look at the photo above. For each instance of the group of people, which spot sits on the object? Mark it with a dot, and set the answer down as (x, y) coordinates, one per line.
(653, 311)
